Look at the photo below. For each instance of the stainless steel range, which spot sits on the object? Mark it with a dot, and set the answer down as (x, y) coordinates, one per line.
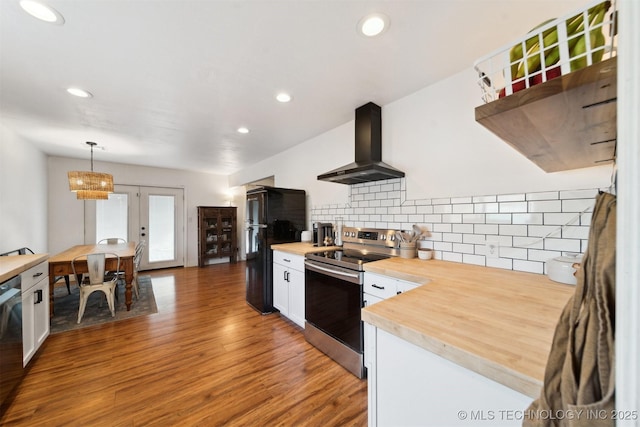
(333, 294)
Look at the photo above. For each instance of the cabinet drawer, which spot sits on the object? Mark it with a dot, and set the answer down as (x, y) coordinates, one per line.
(33, 275)
(380, 286)
(289, 260)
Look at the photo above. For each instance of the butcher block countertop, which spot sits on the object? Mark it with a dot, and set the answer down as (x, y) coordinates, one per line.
(498, 323)
(13, 265)
(300, 248)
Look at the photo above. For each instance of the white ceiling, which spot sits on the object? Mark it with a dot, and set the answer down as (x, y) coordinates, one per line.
(172, 80)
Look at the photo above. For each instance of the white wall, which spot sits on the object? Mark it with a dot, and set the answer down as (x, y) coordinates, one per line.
(66, 213)
(23, 194)
(433, 137)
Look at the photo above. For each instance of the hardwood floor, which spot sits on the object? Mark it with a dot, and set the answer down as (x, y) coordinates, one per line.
(205, 359)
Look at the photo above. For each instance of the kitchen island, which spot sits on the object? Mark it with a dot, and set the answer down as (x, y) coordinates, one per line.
(472, 342)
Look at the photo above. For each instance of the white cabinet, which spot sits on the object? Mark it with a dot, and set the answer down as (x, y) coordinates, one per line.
(35, 309)
(385, 287)
(288, 286)
(416, 387)
(377, 288)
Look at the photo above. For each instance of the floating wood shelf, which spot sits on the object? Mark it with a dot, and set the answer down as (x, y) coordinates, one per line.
(566, 123)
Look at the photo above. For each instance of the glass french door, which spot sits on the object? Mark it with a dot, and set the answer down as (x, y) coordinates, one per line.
(151, 214)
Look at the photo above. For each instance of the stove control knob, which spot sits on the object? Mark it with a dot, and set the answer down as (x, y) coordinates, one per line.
(383, 237)
(346, 234)
(392, 237)
(353, 234)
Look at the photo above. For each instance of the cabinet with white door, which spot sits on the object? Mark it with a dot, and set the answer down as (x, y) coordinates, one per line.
(35, 309)
(288, 286)
(377, 288)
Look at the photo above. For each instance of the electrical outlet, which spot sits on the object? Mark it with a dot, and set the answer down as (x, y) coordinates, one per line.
(492, 249)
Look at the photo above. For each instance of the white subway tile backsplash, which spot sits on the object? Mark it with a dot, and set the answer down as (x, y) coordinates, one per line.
(473, 218)
(486, 228)
(484, 199)
(513, 207)
(462, 228)
(424, 209)
(528, 266)
(433, 218)
(560, 218)
(544, 230)
(510, 252)
(545, 206)
(463, 248)
(577, 205)
(486, 207)
(566, 245)
(441, 201)
(511, 197)
(477, 239)
(530, 228)
(498, 219)
(443, 246)
(442, 209)
(547, 195)
(455, 200)
(451, 256)
(575, 232)
(416, 219)
(442, 228)
(452, 237)
(473, 259)
(513, 230)
(452, 218)
(528, 242)
(503, 263)
(579, 194)
(542, 255)
(526, 218)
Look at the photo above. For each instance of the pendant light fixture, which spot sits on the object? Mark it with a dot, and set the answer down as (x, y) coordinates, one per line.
(90, 185)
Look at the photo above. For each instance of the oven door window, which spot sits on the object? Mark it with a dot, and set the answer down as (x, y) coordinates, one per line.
(333, 305)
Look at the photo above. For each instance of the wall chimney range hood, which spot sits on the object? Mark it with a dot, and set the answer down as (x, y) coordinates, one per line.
(368, 166)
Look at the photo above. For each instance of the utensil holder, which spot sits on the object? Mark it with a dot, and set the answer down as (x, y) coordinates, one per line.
(407, 250)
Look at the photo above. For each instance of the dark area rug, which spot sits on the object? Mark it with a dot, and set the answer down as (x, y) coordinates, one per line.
(97, 311)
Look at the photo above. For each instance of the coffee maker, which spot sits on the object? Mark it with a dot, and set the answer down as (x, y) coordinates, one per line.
(322, 234)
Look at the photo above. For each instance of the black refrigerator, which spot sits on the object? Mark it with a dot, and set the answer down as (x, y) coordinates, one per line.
(274, 215)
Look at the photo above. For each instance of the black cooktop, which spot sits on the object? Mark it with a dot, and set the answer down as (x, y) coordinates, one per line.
(349, 258)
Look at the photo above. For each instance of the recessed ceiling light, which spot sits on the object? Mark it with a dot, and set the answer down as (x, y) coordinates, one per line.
(243, 130)
(373, 24)
(283, 97)
(80, 93)
(42, 12)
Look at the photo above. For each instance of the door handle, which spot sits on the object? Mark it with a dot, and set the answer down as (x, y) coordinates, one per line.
(38, 294)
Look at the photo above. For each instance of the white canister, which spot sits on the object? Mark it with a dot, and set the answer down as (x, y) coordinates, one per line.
(306, 236)
(561, 269)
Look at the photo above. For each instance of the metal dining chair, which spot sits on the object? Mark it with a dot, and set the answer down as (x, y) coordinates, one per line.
(96, 280)
(112, 241)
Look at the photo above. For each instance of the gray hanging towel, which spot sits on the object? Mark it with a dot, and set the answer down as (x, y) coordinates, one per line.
(579, 379)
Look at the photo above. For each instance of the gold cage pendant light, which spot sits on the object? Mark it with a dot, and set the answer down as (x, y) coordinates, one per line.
(90, 185)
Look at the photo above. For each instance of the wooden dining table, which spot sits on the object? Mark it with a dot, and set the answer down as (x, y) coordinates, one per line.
(60, 265)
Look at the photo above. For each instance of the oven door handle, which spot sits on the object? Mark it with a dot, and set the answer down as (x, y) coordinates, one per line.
(353, 276)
